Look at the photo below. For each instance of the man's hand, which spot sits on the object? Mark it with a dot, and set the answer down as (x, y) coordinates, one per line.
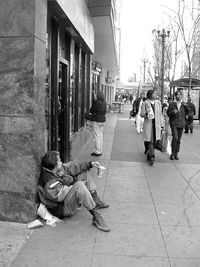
(95, 164)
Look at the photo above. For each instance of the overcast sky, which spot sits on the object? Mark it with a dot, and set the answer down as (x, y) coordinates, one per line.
(138, 19)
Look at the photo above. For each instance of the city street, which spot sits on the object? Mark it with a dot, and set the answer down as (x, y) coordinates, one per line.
(154, 210)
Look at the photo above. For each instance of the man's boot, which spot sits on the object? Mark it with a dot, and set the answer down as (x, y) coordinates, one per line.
(176, 156)
(99, 203)
(98, 221)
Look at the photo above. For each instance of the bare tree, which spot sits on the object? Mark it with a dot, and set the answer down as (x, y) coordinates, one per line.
(185, 22)
(173, 51)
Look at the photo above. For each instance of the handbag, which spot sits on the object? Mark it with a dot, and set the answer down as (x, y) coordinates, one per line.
(161, 144)
(88, 116)
(169, 147)
(132, 113)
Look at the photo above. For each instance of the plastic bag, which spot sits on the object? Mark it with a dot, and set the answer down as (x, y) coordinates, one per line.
(89, 125)
(169, 147)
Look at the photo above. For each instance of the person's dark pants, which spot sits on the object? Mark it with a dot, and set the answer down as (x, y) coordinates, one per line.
(176, 139)
(189, 124)
(150, 145)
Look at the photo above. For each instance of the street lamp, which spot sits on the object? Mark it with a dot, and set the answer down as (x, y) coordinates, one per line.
(144, 66)
(163, 34)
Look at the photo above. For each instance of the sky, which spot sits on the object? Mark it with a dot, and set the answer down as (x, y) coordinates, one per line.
(138, 19)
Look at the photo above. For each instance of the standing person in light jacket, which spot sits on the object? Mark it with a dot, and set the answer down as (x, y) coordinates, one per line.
(98, 109)
(151, 111)
(177, 111)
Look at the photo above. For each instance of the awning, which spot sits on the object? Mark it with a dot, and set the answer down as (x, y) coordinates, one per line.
(184, 82)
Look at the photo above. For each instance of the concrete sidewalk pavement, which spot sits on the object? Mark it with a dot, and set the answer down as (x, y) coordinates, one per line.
(154, 210)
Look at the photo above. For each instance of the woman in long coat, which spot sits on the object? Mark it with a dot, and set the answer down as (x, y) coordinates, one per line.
(151, 111)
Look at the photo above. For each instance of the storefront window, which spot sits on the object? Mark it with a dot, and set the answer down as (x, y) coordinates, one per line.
(72, 90)
(47, 97)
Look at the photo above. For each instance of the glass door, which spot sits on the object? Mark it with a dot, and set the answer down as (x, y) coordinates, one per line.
(63, 111)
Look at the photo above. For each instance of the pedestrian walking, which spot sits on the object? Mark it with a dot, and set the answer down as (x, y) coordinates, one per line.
(131, 98)
(98, 109)
(137, 104)
(62, 188)
(167, 129)
(177, 111)
(151, 111)
(190, 117)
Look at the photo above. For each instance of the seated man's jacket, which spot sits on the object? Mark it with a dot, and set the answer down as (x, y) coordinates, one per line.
(48, 192)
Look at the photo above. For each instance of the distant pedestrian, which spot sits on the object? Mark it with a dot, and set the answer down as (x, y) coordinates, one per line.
(177, 111)
(151, 111)
(166, 117)
(190, 117)
(131, 98)
(167, 129)
(98, 109)
(137, 104)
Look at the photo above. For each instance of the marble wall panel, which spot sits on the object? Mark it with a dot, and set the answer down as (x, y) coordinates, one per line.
(16, 76)
(17, 207)
(40, 71)
(19, 154)
(17, 17)
(41, 19)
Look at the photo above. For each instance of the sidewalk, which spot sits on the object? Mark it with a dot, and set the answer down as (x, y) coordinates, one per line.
(154, 211)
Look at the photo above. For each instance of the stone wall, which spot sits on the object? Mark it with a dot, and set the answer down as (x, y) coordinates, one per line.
(22, 114)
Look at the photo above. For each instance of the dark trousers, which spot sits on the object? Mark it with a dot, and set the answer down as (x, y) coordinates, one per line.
(176, 139)
(189, 123)
(149, 146)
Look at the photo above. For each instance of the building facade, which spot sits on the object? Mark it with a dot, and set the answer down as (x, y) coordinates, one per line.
(48, 69)
(105, 16)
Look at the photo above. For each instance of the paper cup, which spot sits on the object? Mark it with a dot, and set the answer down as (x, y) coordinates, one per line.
(34, 224)
(100, 171)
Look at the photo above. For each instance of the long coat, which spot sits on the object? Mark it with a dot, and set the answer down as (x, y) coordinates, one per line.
(159, 121)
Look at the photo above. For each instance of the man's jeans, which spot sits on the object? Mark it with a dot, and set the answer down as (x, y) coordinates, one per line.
(176, 139)
(77, 196)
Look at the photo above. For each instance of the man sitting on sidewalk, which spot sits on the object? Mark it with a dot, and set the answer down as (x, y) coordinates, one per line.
(62, 188)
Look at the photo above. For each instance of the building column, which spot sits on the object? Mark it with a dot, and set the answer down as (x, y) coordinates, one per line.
(22, 114)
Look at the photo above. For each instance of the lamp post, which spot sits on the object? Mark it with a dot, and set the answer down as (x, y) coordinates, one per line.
(163, 34)
(144, 66)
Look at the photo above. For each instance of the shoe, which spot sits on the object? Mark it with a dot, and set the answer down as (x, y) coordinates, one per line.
(151, 161)
(172, 157)
(191, 131)
(99, 222)
(99, 203)
(176, 157)
(95, 154)
(186, 132)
